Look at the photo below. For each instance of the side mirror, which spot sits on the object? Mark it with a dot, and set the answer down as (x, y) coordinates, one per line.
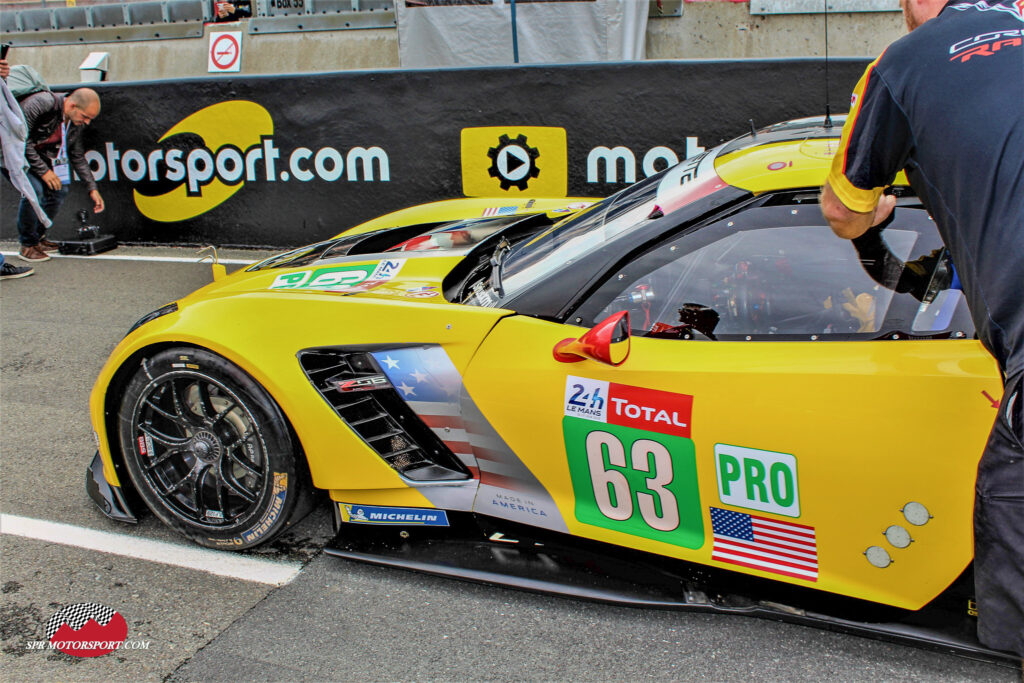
(606, 342)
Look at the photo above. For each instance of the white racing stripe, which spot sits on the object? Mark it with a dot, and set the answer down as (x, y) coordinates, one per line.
(221, 563)
(126, 257)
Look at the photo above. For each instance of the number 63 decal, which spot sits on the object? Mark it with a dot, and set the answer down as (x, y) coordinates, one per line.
(607, 480)
(634, 481)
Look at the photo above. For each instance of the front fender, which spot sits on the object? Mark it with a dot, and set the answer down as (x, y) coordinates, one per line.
(261, 332)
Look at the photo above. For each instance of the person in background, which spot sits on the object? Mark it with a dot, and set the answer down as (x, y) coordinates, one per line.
(231, 11)
(946, 104)
(9, 271)
(55, 125)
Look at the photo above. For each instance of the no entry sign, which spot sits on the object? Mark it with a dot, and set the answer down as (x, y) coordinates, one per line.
(225, 52)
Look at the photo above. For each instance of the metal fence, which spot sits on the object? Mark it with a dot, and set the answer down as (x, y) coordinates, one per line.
(41, 23)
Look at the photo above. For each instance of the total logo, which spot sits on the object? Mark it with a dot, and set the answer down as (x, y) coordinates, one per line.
(651, 410)
(237, 147)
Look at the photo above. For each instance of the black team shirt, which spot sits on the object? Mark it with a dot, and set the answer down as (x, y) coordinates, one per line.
(946, 103)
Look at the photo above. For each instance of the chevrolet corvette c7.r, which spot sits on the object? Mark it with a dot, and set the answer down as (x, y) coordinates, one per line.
(693, 376)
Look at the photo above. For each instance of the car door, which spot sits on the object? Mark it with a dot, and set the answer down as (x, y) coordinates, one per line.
(781, 412)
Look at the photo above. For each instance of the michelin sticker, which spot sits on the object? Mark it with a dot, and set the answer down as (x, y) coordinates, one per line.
(757, 480)
(356, 277)
(373, 514)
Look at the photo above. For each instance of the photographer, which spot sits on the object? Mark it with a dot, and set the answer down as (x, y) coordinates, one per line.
(55, 125)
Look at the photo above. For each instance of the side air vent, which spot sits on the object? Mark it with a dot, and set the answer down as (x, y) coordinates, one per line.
(361, 394)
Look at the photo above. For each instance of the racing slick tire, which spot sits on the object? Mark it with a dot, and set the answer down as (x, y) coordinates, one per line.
(210, 452)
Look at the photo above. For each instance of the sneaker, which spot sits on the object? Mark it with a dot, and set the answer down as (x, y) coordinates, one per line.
(11, 272)
(47, 245)
(33, 254)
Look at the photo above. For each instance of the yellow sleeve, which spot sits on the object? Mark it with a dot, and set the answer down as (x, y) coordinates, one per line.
(854, 198)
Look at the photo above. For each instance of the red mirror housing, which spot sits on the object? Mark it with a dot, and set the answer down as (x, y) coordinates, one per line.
(606, 342)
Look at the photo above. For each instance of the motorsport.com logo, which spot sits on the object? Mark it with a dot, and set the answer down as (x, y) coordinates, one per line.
(231, 165)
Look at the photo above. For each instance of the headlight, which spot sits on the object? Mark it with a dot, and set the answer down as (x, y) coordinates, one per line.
(163, 310)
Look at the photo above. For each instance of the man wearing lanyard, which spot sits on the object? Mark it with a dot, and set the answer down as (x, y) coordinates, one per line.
(946, 104)
(55, 125)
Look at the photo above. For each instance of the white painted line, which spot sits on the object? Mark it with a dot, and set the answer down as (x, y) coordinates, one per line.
(221, 563)
(125, 257)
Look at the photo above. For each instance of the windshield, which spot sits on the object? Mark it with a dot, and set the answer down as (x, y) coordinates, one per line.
(573, 237)
(566, 242)
(779, 271)
(770, 280)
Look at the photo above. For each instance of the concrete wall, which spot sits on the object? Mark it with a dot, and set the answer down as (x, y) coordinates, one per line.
(706, 30)
(187, 57)
(726, 30)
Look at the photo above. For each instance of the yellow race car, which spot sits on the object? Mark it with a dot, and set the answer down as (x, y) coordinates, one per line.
(689, 394)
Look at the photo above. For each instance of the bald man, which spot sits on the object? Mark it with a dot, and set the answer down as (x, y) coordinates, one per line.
(55, 125)
(946, 103)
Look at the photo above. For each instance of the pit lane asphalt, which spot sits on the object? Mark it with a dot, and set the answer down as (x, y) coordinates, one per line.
(337, 620)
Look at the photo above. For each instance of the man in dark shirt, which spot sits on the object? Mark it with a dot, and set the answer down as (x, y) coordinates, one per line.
(946, 103)
(55, 124)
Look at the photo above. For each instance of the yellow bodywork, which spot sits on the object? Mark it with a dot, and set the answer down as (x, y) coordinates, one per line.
(867, 443)
(802, 164)
(874, 425)
(472, 207)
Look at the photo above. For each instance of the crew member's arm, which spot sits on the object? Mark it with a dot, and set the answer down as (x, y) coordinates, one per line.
(97, 201)
(76, 153)
(874, 147)
(847, 223)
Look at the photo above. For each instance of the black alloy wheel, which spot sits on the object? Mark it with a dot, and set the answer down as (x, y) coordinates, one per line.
(209, 450)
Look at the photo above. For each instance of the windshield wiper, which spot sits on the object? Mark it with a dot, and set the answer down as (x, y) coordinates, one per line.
(497, 259)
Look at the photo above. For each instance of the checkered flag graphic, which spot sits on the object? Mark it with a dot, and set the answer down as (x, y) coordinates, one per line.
(76, 615)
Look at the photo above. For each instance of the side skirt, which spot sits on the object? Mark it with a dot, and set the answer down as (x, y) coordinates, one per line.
(494, 552)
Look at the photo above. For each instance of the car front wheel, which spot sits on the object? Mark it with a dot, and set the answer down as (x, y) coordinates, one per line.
(209, 450)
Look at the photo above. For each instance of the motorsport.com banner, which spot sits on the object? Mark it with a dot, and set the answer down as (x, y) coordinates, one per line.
(288, 160)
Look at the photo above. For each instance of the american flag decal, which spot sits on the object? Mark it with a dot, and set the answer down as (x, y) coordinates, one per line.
(500, 210)
(770, 545)
(425, 377)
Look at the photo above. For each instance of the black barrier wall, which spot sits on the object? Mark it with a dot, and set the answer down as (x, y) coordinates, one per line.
(287, 160)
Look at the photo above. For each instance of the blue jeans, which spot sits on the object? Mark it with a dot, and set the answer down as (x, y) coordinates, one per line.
(30, 230)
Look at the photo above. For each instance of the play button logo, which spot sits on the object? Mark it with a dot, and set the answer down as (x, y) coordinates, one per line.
(513, 162)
